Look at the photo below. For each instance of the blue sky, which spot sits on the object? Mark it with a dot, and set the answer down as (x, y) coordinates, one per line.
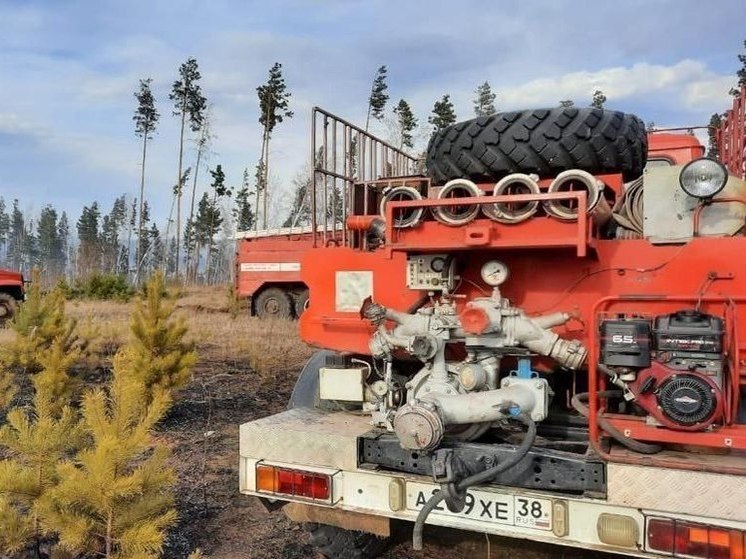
(68, 70)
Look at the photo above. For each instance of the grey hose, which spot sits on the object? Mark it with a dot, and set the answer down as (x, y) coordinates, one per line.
(628, 211)
(579, 402)
(476, 479)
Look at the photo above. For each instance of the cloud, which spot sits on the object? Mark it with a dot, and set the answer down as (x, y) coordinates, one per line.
(69, 71)
(688, 82)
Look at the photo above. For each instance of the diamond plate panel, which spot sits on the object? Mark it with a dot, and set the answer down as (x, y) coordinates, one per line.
(304, 436)
(695, 493)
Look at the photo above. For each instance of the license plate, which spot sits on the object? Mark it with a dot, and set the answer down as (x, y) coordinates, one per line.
(489, 506)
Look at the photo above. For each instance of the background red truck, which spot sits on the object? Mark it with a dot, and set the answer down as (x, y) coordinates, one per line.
(11, 293)
(268, 271)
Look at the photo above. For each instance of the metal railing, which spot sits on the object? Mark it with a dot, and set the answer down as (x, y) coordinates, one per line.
(342, 155)
(731, 136)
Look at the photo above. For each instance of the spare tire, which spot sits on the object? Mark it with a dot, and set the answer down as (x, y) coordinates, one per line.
(541, 141)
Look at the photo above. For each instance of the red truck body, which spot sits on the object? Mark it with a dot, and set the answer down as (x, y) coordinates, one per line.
(12, 292)
(270, 260)
(449, 310)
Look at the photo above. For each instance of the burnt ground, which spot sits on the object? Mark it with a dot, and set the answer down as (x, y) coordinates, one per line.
(202, 430)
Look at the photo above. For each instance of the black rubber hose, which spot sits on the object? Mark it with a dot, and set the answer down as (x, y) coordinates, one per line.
(476, 479)
(579, 403)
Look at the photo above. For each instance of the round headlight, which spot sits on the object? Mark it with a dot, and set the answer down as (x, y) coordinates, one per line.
(703, 178)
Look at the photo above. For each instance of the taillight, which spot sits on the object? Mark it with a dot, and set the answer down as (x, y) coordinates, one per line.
(295, 483)
(687, 539)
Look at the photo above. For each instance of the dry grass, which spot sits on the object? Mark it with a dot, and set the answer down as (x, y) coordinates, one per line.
(267, 347)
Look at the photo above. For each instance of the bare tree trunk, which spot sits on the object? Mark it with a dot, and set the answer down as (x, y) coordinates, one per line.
(192, 270)
(109, 526)
(266, 179)
(197, 249)
(138, 256)
(208, 258)
(178, 191)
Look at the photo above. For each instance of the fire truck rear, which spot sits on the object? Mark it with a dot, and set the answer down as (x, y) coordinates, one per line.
(541, 338)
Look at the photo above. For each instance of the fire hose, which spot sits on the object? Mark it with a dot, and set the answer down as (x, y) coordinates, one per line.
(628, 211)
(579, 403)
(479, 478)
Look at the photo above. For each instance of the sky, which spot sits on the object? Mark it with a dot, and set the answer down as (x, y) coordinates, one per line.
(69, 68)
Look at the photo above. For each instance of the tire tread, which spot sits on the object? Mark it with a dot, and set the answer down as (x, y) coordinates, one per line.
(541, 141)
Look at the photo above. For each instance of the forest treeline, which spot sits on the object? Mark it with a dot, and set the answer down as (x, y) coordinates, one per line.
(196, 243)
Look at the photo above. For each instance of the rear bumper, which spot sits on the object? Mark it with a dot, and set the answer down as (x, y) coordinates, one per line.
(328, 443)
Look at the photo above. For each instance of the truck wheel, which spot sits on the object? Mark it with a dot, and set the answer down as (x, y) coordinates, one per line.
(336, 543)
(301, 302)
(273, 303)
(7, 308)
(541, 141)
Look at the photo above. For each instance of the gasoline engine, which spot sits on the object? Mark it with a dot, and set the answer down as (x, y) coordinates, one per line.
(671, 366)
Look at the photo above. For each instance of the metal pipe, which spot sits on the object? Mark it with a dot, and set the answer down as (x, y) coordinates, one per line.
(705, 203)
(482, 407)
(312, 194)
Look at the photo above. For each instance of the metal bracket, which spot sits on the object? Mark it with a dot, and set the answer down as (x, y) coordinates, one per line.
(545, 469)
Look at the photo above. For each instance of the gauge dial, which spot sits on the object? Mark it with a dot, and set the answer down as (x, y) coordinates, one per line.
(494, 273)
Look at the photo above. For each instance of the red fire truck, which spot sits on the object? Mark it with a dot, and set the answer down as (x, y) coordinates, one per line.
(541, 338)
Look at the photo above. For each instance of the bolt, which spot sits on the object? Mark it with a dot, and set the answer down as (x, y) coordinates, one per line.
(538, 384)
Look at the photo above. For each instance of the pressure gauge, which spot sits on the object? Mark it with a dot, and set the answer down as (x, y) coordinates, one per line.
(494, 273)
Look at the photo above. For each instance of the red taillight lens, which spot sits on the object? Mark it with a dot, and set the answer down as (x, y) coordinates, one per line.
(687, 539)
(296, 483)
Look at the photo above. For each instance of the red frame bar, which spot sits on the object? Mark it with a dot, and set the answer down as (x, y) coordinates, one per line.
(577, 233)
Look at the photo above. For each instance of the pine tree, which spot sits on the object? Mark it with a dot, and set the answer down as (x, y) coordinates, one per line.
(146, 120)
(63, 227)
(443, 114)
(4, 229)
(406, 123)
(144, 243)
(712, 147)
(259, 187)
(484, 102)
(189, 104)
(567, 103)
(300, 212)
(115, 498)
(242, 212)
(109, 244)
(157, 258)
(171, 255)
(17, 238)
(204, 143)
(378, 98)
(274, 107)
(209, 219)
(34, 441)
(88, 240)
(39, 322)
(598, 99)
(49, 243)
(160, 357)
(740, 74)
